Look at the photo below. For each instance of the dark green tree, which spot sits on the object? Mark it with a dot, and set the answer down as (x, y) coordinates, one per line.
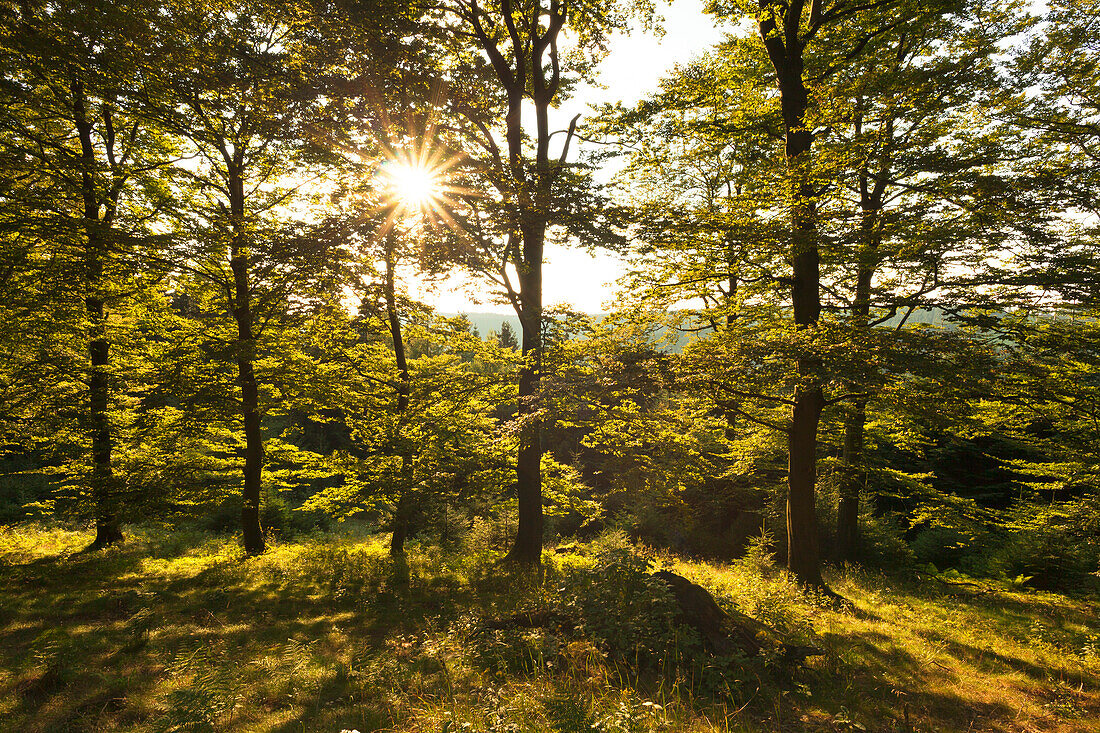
(507, 337)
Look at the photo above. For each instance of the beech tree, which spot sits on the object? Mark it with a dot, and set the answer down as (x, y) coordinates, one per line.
(807, 44)
(83, 165)
(916, 205)
(236, 88)
(533, 183)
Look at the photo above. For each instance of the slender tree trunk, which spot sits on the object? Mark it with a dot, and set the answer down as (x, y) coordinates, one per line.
(853, 473)
(394, 318)
(731, 318)
(102, 479)
(852, 480)
(246, 373)
(402, 512)
(107, 530)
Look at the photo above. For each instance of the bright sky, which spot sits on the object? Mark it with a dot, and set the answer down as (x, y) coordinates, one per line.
(631, 70)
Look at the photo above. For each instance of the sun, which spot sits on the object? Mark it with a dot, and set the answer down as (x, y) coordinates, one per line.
(413, 187)
(417, 189)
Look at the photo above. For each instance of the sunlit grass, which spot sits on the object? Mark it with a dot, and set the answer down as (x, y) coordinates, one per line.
(178, 630)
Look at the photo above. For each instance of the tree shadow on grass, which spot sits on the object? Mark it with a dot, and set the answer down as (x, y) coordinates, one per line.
(879, 682)
(90, 642)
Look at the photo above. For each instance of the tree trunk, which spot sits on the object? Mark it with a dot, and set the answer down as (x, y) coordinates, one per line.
(107, 530)
(527, 549)
(803, 558)
(102, 478)
(528, 546)
(402, 512)
(852, 480)
(853, 473)
(246, 373)
(394, 317)
(784, 47)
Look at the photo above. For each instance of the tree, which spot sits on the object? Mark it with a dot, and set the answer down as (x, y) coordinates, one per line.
(520, 41)
(507, 337)
(85, 164)
(236, 87)
(914, 214)
(807, 44)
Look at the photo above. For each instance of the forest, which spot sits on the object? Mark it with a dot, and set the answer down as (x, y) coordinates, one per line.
(829, 459)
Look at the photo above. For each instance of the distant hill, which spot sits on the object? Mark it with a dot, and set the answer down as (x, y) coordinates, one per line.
(487, 322)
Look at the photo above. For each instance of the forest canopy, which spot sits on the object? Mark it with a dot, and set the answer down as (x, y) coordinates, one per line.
(860, 313)
(852, 367)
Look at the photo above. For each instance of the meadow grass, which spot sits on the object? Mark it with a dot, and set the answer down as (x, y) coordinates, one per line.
(177, 630)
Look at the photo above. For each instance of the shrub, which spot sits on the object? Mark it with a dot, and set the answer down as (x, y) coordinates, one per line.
(622, 607)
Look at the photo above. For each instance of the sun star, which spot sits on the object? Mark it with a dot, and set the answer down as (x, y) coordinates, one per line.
(414, 187)
(417, 189)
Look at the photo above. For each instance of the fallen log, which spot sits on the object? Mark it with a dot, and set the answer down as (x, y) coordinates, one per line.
(727, 632)
(721, 633)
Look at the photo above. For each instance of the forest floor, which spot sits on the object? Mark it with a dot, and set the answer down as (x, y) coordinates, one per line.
(177, 630)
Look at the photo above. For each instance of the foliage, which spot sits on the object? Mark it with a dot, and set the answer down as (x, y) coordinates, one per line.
(876, 342)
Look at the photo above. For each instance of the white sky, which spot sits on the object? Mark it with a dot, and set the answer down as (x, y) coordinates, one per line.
(630, 71)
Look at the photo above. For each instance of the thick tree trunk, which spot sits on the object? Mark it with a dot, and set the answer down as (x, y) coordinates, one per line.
(102, 478)
(528, 546)
(803, 557)
(534, 203)
(784, 47)
(246, 374)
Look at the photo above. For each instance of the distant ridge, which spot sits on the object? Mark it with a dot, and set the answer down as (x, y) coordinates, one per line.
(486, 322)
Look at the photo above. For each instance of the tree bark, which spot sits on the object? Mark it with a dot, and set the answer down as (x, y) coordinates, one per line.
(528, 545)
(852, 480)
(246, 374)
(390, 292)
(527, 549)
(784, 47)
(102, 486)
(400, 524)
(854, 473)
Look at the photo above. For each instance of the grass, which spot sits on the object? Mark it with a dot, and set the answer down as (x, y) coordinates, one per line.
(177, 631)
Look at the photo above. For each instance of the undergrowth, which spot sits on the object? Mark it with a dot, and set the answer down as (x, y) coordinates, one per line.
(176, 630)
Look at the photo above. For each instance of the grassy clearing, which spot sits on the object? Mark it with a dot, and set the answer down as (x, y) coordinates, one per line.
(176, 630)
